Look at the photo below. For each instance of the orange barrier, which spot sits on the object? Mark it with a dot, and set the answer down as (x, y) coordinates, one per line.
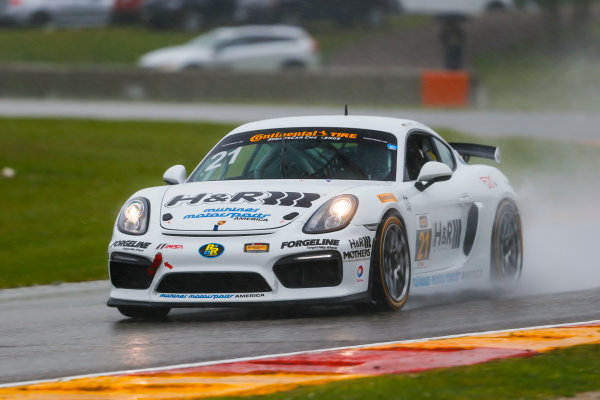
(445, 88)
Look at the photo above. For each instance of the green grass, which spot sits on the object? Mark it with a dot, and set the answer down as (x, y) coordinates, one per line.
(74, 175)
(564, 372)
(72, 178)
(84, 46)
(124, 45)
(534, 80)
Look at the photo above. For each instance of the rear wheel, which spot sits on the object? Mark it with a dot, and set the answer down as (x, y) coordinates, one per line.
(144, 312)
(391, 265)
(507, 245)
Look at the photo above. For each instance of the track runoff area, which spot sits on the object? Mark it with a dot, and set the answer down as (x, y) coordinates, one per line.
(283, 372)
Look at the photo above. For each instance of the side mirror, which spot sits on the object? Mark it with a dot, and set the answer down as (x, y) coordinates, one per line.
(431, 173)
(175, 175)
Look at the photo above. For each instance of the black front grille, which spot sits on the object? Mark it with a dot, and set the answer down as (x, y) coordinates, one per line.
(129, 271)
(309, 270)
(213, 282)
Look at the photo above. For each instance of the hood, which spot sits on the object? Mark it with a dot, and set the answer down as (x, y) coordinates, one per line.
(241, 205)
(175, 54)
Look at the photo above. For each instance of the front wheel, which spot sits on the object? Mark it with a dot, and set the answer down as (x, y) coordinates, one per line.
(391, 265)
(507, 245)
(144, 312)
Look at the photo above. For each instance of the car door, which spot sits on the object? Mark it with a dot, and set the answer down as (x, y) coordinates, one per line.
(440, 209)
(256, 52)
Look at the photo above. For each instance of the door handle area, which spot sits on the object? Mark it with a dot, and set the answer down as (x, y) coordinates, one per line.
(465, 199)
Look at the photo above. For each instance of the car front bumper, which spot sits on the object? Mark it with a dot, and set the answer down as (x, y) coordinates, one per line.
(300, 268)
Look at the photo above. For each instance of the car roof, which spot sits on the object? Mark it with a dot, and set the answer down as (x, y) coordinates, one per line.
(261, 30)
(398, 127)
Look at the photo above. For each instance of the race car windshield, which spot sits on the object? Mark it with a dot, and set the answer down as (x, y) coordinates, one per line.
(302, 153)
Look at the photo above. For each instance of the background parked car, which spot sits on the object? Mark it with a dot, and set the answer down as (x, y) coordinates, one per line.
(245, 48)
(127, 10)
(461, 7)
(373, 13)
(56, 12)
(188, 15)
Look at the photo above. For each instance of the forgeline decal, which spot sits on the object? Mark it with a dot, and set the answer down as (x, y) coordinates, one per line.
(289, 199)
(443, 236)
(302, 135)
(212, 296)
(312, 243)
(238, 214)
(386, 197)
(131, 245)
(446, 278)
(167, 246)
(211, 250)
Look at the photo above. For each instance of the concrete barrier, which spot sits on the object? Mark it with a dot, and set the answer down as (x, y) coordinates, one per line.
(357, 86)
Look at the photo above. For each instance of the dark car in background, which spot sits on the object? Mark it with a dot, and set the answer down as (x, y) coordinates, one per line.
(188, 15)
(55, 13)
(127, 10)
(371, 13)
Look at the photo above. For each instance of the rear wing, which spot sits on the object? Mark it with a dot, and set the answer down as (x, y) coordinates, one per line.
(468, 150)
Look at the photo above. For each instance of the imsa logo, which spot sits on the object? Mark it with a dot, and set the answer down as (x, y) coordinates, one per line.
(211, 250)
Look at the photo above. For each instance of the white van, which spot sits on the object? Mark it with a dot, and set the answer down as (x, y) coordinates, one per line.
(463, 7)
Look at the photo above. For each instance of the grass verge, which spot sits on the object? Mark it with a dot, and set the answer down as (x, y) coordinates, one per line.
(124, 45)
(533, 79)
(563, 372)
(73, 176)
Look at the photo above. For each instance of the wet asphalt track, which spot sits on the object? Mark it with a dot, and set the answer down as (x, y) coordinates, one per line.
(67, 330)
(50, 332)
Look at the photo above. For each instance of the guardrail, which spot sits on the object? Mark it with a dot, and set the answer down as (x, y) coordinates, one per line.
(366, 86)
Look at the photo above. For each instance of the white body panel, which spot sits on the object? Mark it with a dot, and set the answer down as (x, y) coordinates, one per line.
(435, 219)
(465, 7)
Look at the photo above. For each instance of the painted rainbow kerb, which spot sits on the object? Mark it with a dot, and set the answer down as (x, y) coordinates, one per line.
(269, 374)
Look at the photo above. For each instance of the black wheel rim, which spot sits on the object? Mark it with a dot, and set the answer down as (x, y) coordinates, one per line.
(395, 263)
(509, 245)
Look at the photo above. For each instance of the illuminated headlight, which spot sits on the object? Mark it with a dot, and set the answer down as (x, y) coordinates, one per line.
(332, 216)
(133, 218)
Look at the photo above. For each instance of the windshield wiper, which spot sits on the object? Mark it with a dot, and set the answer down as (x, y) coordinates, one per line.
(348, 160)
(283, 163)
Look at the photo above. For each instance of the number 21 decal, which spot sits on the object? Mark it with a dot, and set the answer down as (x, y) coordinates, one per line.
(217, 158)
(423, 244)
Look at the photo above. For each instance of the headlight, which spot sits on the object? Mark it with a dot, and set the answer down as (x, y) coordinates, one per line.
(332, 216)
(133, 219)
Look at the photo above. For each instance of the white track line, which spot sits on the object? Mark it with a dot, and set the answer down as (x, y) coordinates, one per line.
(206, 363)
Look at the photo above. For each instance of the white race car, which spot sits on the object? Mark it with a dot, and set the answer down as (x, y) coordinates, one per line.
(317, 210)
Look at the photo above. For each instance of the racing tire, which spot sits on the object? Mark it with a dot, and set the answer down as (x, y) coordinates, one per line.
(391, 266)
(507, 246)
(144, 312)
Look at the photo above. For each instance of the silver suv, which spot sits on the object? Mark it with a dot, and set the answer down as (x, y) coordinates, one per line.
(244, 48)
(46, 13)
